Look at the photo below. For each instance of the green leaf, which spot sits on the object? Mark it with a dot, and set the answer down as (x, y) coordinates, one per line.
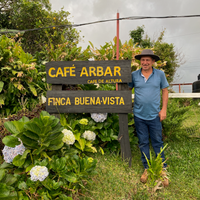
(26, 152)
(18, 161)
(11, 141)
(99, 125)
(4, 191)
(63, 120)
(2, 173)
(24, 119)
(9, 179)
(131, 122)
(54, 122)
(19, 125)
(82, 143)
(29, 142)
(1, 101)
(19, 171)
(11, 128)
(77, 135)
(32, 127)
(38, 151)
(29, 168)
(31, 135)
(1, 85)
(70, 176)
(55, 147)
(22, 186)
(57, 139)
(6, 165)
(33, 90)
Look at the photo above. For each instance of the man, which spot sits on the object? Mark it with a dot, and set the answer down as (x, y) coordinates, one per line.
(147, 83)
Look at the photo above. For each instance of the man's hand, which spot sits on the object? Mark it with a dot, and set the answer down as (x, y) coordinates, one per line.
(162, 114)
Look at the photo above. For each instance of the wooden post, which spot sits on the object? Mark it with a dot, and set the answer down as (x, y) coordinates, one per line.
(57, 87)
(123, 136)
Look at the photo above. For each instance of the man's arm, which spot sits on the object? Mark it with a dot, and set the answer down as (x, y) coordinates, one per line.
(163, 112)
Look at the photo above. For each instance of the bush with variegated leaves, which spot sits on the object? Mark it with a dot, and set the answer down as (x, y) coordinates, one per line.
(22, 81)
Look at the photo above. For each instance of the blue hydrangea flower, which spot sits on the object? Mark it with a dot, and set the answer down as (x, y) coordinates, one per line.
(39, 173)
(99, 117)
(10, 152)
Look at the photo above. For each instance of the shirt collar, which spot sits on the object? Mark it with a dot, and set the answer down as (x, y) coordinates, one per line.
(141, 71)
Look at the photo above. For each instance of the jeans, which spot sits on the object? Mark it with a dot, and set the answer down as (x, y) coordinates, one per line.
(152, 129)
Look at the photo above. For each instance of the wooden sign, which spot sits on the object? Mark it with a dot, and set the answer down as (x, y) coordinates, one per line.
(88, 72)
(89, 101)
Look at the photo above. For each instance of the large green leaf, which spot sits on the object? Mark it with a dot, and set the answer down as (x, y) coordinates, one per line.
(32, 127)
(31, 135)
(19, 125)
(11, 128)
(45, 130)
(18, 161)
(55, 136)
(58, 128)
(29, 142)
(57, 140)
(11, 141)
(82, 143)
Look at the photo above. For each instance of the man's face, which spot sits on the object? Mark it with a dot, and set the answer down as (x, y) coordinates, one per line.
(146, 62)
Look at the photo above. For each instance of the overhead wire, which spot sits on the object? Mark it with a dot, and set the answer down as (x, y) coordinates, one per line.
(102, 21)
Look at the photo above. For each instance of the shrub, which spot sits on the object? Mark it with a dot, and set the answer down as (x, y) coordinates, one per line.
(48, 168)
(106, 131)
(22, 82)
(172, 125)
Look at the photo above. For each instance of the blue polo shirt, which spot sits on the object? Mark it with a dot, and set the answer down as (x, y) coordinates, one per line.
(147, 93)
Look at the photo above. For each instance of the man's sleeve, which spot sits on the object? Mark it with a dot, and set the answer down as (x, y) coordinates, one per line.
(163, 82)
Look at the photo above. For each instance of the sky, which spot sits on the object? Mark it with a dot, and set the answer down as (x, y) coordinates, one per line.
(183, 33)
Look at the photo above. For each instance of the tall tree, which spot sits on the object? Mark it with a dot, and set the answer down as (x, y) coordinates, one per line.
(29, 14)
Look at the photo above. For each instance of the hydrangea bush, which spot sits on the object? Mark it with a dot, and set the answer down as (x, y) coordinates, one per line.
(44, 165)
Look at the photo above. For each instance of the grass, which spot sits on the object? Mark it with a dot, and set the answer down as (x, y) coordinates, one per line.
(116, 181)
